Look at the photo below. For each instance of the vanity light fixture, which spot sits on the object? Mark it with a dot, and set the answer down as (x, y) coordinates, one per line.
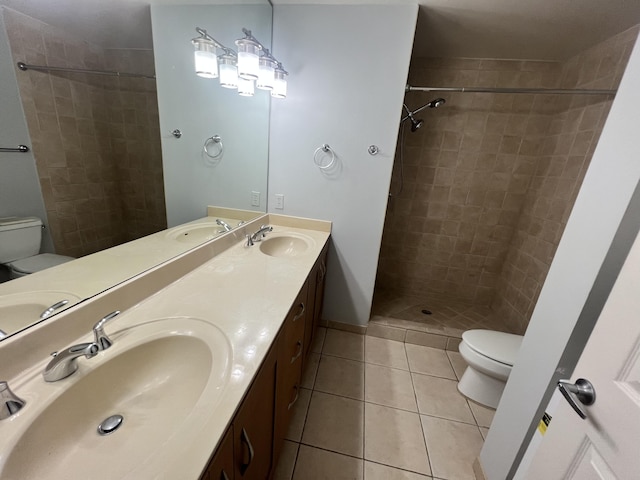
(253, 66)
(245, 87)
(279, 82)
(228, 71)
(205, 57)
(248, 51)
(266, 71)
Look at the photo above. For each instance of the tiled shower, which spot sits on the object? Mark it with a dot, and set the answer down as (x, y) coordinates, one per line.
(96, 140)
(488, 183)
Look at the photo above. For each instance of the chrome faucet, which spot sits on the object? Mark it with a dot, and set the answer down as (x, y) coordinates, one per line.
(3, 334)
(10, 403)
(100, 338)
(258, 236)
(64, 363)
(223, 224)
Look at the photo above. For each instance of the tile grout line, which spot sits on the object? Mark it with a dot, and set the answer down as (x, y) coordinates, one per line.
(424, 436)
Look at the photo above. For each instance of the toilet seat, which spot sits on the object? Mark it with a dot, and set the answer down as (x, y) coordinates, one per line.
(498, 346)
(28, 265)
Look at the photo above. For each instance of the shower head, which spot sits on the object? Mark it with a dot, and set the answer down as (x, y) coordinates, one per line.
(436, 103)
(415, 124)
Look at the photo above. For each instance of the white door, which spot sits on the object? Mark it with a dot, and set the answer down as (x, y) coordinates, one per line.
(606, 445)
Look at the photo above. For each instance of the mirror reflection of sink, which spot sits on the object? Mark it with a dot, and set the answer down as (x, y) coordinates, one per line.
(157, 376)
(20, 310)
(195, 233)
(285, 245)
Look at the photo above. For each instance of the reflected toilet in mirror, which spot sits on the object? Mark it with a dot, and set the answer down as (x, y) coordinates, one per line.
(20, 239)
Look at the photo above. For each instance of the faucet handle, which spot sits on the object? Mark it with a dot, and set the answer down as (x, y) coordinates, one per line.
(10, 403)
(100, 338)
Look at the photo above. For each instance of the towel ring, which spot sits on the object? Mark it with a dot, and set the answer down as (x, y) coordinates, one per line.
(317, 159)
(213, 140)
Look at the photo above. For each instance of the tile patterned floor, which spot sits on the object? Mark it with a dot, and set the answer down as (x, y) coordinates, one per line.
(377, 409)
(446, 318)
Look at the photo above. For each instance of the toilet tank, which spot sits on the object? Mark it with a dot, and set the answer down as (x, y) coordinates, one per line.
(19, 237)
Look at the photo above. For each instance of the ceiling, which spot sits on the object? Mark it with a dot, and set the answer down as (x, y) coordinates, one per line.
(529, 29)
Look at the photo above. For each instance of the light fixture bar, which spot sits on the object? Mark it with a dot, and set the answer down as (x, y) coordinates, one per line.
(204, 34)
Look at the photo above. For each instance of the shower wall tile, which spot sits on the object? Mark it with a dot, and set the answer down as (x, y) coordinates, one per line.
(466, 173)
(77, 158)
(566, 152)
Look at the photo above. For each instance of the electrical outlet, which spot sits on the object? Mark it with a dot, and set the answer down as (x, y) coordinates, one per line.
(255, 199)
(279, 201)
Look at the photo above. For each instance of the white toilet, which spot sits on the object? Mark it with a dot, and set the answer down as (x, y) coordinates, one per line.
(490, 356)
(20, 239)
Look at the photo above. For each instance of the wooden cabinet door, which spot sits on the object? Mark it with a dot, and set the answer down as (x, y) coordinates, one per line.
(315, 297)
(221, 466)
(290, 357)
(253, 425)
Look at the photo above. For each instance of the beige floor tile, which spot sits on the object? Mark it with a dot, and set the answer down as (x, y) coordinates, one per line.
(483, 415)
(385, 352)
(316, 464)
(344, 344)
(335, 423)
(340, 376)
(318, 340)
(310, 370)
(299, 415)
(453, 447)
(458, 363)
(484, 431)
(375, 471)
(287, 461)
(440, 397)
(431, 361)
(389, 386)
(394, 437)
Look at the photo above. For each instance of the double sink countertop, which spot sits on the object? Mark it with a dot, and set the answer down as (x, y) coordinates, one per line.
(183, 357)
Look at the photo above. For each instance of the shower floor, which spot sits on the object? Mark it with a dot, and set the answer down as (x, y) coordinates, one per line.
(447, 317)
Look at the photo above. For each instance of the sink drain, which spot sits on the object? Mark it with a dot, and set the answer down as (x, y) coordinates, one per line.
(110, 425)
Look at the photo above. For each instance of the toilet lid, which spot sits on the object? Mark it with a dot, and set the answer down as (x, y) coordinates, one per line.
(39, 262)
(499, 346)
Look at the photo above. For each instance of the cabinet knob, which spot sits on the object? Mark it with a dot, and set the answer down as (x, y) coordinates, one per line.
(299, 315)
(248, 453)
(298, 351)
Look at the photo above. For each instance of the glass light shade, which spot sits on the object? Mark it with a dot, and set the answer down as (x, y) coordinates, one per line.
(265, 73)
(245, 87)
(279, 84)
(228, 71)
(206, 61)
(248, 62)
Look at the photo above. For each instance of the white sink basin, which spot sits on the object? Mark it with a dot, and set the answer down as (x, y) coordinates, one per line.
(285, 245)
(157, 375)
(20, 310)
(195, 234)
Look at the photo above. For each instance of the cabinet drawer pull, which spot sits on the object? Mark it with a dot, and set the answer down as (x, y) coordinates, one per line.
(298, 351)
(223, 475)
(295, 398)
(247, 453)
(301, 312)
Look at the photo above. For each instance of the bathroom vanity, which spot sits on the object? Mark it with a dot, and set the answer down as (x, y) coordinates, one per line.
(205, 366)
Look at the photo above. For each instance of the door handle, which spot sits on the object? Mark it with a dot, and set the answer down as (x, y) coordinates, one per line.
(582, 391)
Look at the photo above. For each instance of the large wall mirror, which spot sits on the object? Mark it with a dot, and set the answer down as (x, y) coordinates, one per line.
(105, 169)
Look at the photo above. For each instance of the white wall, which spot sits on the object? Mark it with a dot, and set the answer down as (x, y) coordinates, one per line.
(20, 193)
(578, 282)
(348, 68)
(200, 108)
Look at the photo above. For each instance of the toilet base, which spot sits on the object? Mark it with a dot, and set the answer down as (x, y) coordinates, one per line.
(481, 388)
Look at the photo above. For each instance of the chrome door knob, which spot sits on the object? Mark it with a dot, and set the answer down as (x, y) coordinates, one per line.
(582, 391)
